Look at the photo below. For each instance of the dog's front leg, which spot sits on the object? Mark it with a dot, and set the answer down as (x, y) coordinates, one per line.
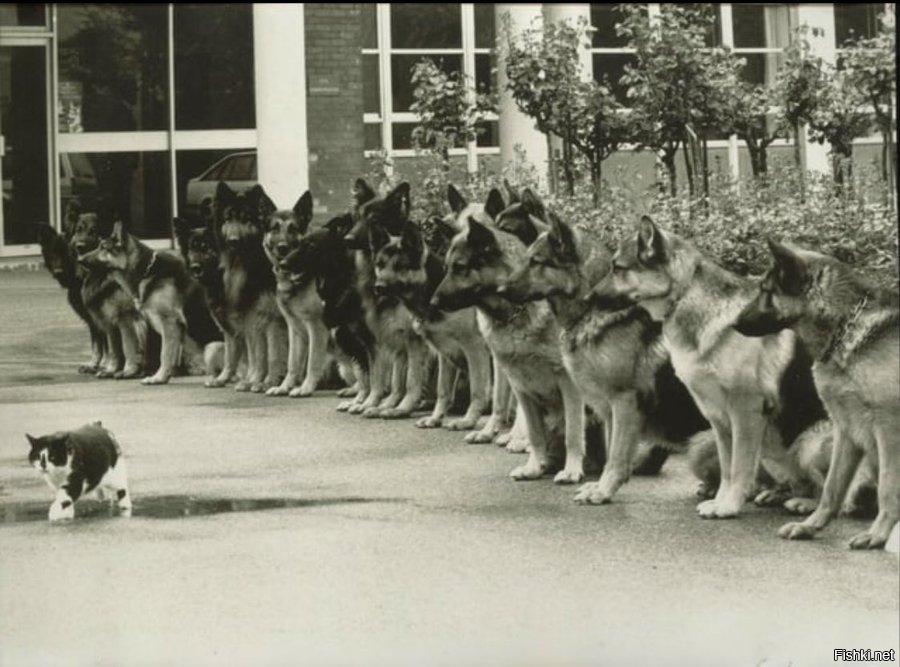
(626, 425)
(573, 407)
(297, 344)
(397, 386)
(234, 349)
(478, 363)
(380, 367)
(317, 358)
(722, 429)
(275, 347)
(417, 368)
(845, 458)
(446, 375)
(131, 347)
(887, 439)
(538, 462)
(114, 356)
(253, 349)
(748, 430)
(171, 330)
(497, 422)
(98, 350)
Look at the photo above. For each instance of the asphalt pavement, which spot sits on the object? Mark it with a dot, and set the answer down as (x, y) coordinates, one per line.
(276, 531)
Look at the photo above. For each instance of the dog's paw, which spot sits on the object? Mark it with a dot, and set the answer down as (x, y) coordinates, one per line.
(518, 445)
(429, 422)
(155, 379)
(303, 391)
(344, 406)
(706, 491)
(395, 413)
(797, 531)
(128, 373)
(280, 390)
(358, 408)
(105, 374)
(771, 498)
(243, 385)
(258, 387)
(592, 494)
(481, 437)
(62, 511)
(569, 476)
(801, 506)
(866, 541)
(461, 424)
(717, 509)
(347, 392)
(88, 369)
(373, 412)
(529, 471)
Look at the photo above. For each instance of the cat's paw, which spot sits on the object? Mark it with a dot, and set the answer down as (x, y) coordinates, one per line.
(63, 510)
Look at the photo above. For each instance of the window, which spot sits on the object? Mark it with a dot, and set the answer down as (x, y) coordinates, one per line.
(855, 21)
(609, 51)
(760, 34)
(199, 172)
(22, 14)
(457, 37)
(214, 80)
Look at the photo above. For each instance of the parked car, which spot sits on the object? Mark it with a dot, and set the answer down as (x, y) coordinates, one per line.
(238, 170)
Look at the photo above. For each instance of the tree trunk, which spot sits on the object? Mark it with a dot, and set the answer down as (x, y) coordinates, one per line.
(567, 168)
(668, 159)
(596, 179)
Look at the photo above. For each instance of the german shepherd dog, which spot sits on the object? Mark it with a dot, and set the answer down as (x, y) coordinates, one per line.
(111, 308)
(298, 302)
(853, 331)
(164, 291)
(524, 339)
(614, 354)
(198, 249)
(757, 393)
(62, 264)
(405, 268)
(322, 259)
(249, 284)
(398, 345)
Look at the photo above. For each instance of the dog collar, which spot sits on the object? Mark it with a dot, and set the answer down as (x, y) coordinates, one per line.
(842, 332)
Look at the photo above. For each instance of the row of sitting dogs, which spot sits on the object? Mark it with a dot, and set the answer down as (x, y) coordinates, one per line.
(787, 387)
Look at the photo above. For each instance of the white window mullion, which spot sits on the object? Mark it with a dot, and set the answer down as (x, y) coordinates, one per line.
(726, 16)
(468, 44)
(383, 21)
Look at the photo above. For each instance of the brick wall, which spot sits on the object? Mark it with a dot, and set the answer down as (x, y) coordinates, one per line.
(334, 103)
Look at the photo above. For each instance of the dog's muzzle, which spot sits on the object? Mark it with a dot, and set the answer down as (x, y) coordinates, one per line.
(196, 270)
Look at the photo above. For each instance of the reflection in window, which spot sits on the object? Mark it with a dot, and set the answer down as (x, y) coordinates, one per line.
(604, 19)
(760, 34)
(426, 26)
(214, 82)
(112, 67)
(135, 184)
(609, 68)
(199, 172)
(22, 14)
(402, 66)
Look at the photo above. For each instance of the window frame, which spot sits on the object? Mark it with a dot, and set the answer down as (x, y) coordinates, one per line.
(387, 117)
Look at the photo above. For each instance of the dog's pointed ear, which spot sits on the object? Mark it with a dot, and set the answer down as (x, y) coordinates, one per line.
(494, 203)
(224, 194)
(514, 196)
(480, 238)
(397, 201)
(264, 206)
(563, 237)
(340, 226)
(303, 210)
(455, 199)
(118, 232)
(651, 244)
(791, 271)
(362, 192)
(533, 204)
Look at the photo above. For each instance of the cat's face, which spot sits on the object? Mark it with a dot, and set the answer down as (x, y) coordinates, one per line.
(49, 452)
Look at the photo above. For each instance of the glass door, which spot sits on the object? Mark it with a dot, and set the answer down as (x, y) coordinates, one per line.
(24, 140)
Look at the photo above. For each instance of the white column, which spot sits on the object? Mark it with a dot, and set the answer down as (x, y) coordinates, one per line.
(823, 43)
(517, 129)
(573, 13)
(279, 50)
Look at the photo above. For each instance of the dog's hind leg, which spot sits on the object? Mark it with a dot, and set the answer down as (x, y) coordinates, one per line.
(113, 359)
(845, 458)
(317, 358)
(573, 407)
(538, 461)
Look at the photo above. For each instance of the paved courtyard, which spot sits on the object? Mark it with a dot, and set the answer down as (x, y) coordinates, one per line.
(278, 532)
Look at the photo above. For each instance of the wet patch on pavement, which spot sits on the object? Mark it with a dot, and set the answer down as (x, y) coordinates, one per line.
(175, 507)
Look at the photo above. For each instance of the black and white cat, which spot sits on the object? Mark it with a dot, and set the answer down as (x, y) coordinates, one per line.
(78, 462)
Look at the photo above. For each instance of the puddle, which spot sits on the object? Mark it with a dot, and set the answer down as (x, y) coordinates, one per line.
(174, 507)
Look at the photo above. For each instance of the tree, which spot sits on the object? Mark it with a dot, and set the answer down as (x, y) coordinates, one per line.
(449, 111)
(676, 88)
(748, 117)
(545, 78)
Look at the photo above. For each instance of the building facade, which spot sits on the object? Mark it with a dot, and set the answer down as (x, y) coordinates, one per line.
(149, 106)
